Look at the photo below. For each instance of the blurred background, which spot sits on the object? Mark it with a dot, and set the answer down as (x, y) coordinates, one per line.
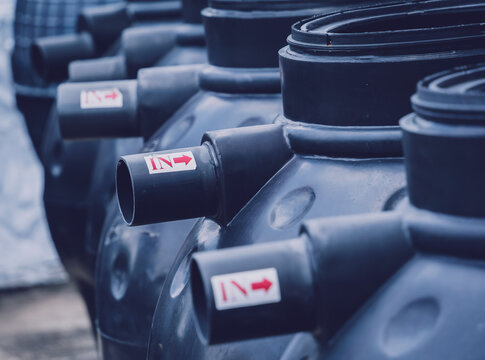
(41, 315)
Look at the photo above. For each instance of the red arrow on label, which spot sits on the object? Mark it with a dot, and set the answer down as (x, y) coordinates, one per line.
(264, 284)
(113, 95)
(183, 159)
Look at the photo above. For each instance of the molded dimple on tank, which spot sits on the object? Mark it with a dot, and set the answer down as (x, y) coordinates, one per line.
(410, 326)
(148, 235)
(114, 232)
(177, 131)
(292, 207)
(119, 275)
(56, 167)
(56, 170)
(182, 275)
(253, 121)
(158, 350)
(395, 200)
(151, 145)
(208, 234)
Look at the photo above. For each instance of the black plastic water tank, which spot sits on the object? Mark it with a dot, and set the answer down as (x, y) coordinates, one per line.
(79, 184)
(150, 45)
(98, 31)
(336, 168)
(240, 91)
(404, 283)
(34, 95)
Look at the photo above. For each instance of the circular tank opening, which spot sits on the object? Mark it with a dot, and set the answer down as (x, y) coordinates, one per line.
(398, 19)
(412, 21)
(125, 191)
(200, 300)
(471, 79)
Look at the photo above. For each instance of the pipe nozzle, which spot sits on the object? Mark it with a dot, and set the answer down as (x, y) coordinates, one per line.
(51, 55)
(105, 23)
(165, 186)
(253, 291)
(143, 46)
(98, 109)
(102, 69)
(215, 179)
(315, 282)
(125, 108)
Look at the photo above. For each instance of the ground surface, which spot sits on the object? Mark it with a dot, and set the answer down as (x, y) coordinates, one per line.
(44, 323)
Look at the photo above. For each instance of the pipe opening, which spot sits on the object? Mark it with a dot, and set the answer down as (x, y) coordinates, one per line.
(125, 191)
(38, 59)
(200, 301)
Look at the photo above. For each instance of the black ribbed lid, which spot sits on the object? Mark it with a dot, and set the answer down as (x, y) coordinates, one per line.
(455, 96)
(359, 67)
(402, 27)
(444, 143)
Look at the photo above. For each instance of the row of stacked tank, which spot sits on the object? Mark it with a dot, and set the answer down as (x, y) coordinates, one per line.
(243, 199)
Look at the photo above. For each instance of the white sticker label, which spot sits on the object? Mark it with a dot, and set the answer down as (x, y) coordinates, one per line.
(247, 288)
(158, 163)
(99, 99)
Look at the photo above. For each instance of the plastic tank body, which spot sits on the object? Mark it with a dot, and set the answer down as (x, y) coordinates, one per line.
(107, 30)
(444, 221)
(98, 33)
(79, 184)
(348, 165)
(405, 283)
(99, 29)
(234, 91)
